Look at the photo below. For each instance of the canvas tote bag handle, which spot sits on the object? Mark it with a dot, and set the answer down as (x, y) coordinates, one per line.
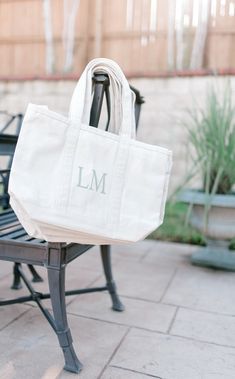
(116, 109)
(82, 96)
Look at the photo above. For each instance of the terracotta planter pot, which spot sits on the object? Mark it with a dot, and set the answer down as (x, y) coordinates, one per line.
(218, 230)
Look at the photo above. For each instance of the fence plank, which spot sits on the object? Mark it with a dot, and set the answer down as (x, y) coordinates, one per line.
(134, 32)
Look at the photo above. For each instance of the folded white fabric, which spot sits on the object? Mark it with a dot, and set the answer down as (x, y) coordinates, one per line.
(71, 182)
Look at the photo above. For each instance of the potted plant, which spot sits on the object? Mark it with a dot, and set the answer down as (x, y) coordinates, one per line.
(211, 133)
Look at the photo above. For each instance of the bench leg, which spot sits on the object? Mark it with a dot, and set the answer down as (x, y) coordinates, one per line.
(106, 260)
(56, 278)
(36, 277)
(16, 285)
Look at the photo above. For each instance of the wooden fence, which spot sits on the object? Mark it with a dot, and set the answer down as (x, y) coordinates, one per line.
(146, 37)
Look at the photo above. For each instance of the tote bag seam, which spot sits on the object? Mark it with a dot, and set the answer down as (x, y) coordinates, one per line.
(105, 134)
(118, 221)
(114, 193)
(50, 114)
(72, 165)
(118, 187)
(85, 227)
(165, 189)
(68, 164)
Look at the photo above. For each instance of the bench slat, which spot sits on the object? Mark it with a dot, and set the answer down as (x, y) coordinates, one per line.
(11, 224)
(4, 219)
(27, 238)
(9, 229)
(14, 234)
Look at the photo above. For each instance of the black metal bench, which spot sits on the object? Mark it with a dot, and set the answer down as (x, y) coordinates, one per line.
(17, 246)
(7, 149)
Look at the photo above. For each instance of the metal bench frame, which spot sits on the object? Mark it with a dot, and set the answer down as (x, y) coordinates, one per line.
(16, 246)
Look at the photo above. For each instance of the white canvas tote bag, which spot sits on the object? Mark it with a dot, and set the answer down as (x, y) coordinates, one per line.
(71, 182)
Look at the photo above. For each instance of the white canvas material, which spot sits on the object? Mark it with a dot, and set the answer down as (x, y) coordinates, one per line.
(71, 182)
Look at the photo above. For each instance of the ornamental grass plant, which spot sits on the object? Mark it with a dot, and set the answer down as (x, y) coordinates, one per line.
(211, 133)
(211, 152)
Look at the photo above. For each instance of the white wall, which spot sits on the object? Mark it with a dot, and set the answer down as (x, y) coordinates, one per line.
(165, 103)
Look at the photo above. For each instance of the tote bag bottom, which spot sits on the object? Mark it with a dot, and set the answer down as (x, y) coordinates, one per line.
(51, 233)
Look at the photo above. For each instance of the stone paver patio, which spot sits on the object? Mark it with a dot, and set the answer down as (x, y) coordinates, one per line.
(179, 321)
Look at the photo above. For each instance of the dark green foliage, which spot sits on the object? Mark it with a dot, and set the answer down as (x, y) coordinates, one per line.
(175, 228)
